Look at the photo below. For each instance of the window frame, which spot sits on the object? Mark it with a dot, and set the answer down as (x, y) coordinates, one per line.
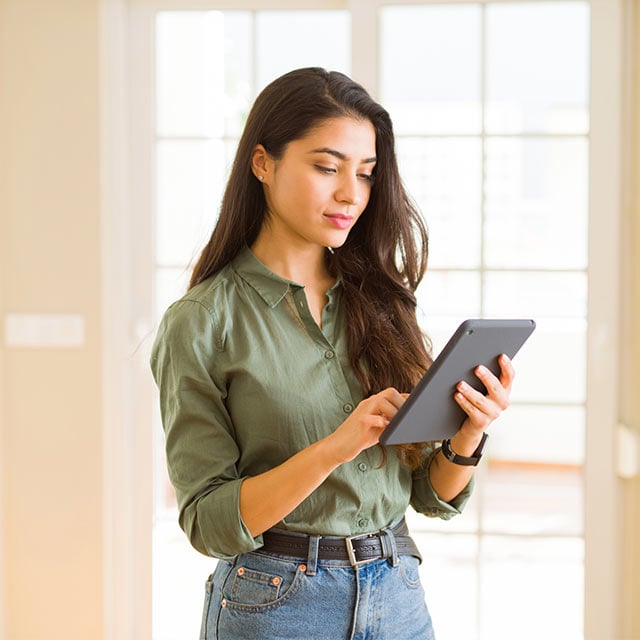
(127, 89)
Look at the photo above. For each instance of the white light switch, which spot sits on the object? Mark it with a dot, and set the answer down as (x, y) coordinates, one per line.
(34, 330)
(628, 452)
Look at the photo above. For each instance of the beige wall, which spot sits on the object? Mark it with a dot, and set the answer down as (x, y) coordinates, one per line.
(50, 263)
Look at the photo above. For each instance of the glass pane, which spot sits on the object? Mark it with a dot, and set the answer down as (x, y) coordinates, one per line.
(430, 68)
(238, 63)
(189, 179)
(537, 67)
(287, 40)
(536, 203)
(532, 500)
(449, 293)
(444, 177)
(449, 573)
(531, 588)
(551, 366)
(545, 434)
(535, 295)
(190, 73)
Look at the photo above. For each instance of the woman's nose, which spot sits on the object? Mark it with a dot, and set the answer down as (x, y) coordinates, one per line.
(349, 191)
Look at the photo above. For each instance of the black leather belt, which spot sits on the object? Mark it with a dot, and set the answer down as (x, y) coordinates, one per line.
(355, 549)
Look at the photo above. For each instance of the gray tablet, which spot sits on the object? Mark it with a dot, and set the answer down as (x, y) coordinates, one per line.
(430, 412)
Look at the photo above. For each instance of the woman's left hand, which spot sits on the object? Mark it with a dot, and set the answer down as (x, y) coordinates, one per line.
(482, 409)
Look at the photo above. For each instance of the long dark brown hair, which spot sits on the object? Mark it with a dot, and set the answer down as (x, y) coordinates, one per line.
(385, 255)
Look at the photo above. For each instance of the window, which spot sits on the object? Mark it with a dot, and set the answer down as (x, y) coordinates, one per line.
(209, 67)
(492, 129)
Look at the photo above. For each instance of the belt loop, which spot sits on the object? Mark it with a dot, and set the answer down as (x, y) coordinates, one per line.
(389, 548)
(312, 555)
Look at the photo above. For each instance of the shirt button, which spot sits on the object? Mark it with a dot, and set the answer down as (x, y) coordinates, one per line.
(329, 354)
(362, 523)
(362, 466)
(347, 408)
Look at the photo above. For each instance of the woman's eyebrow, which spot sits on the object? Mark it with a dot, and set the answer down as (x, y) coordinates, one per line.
(342, 156)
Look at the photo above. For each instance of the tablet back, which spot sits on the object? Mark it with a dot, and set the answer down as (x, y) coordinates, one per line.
(430, 412)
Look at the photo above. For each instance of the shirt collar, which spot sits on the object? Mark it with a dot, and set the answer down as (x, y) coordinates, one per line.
(271, 287)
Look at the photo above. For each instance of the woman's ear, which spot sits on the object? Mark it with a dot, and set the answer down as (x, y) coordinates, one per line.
(261, 164)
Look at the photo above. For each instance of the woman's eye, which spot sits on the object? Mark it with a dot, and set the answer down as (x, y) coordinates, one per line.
(367, 176)
(325, 169)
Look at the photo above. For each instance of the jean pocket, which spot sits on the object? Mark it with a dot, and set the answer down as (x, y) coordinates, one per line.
(409, 571)
(260, 583)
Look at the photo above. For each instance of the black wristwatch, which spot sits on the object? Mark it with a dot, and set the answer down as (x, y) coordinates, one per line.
(470, 461)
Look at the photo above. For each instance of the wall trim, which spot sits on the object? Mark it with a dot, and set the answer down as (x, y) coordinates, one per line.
(603, 489)
(126, 435)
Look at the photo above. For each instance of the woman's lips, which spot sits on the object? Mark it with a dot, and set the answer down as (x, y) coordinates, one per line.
(339, 220)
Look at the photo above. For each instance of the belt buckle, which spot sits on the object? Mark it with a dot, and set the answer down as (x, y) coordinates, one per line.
(351, 552)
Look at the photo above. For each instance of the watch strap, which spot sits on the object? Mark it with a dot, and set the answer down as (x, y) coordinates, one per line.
(468, 461)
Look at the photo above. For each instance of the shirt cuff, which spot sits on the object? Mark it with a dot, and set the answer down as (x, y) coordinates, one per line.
(220, 527)
(425, 500)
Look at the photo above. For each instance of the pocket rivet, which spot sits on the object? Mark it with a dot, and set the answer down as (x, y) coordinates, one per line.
(241, 571)
(276, 581)
(302, 567)
(223, 604)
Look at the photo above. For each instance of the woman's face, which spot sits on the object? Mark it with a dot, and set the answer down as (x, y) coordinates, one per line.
(317, 190)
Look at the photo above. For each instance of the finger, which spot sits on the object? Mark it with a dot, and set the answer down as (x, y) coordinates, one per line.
(495, 389)
(393, 396)
(385, 408)
(477, 417)
(485, 404)
(507, 372)
(379, 422)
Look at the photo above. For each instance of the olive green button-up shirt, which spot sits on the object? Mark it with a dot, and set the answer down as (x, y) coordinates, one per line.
(247, 378)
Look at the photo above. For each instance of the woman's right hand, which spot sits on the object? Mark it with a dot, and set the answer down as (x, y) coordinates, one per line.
(363, 428)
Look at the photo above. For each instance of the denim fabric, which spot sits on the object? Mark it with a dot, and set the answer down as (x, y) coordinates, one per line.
(268, 597)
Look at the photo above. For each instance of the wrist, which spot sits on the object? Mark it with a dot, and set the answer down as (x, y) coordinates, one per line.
(330, 452)
(466, 442)
(465, 460)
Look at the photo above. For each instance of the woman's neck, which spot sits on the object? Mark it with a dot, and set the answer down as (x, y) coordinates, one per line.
(304, 264)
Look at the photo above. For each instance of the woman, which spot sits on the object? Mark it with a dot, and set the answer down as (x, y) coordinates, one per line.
(280, 368)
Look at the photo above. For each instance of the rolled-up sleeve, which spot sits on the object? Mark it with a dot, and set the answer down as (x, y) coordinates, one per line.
(425, 500)
(202, 453)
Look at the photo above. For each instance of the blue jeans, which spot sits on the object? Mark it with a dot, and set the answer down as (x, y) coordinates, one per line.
(267, 597)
